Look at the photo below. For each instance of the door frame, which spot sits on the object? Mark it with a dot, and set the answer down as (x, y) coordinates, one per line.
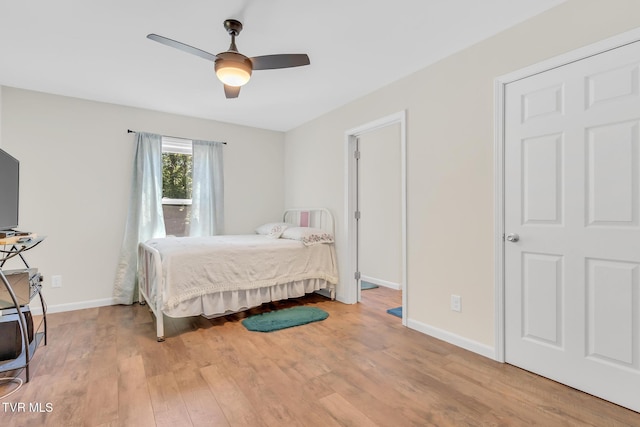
(499, 176)
(351, 136)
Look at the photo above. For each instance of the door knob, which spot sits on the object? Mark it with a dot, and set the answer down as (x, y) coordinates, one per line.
(513, 237)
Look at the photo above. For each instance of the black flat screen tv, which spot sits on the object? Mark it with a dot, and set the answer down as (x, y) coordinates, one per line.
(9, 190)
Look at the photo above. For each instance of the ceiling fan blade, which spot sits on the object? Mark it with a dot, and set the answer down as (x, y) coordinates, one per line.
(183, 47)
(231, 91)
(270, 62)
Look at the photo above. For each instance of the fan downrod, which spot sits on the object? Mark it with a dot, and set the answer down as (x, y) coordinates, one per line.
(233, 27)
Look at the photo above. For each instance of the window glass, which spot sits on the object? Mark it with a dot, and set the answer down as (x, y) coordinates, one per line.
(177, 164)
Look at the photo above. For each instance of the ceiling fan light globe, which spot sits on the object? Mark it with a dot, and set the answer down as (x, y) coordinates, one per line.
(232, 73)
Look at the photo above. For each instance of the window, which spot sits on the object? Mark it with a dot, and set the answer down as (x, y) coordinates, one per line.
(177, 167)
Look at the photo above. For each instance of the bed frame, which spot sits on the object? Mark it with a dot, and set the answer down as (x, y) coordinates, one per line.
(150, 280)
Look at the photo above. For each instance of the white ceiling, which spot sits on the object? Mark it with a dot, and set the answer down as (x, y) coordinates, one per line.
(98, 50)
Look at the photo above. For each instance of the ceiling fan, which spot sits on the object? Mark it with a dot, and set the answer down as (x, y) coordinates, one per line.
(233, 68)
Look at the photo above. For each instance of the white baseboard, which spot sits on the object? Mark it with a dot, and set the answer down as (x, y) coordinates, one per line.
(457, 340)
(61, 308)
(380, 282)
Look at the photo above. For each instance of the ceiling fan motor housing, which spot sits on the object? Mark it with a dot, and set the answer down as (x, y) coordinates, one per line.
(233, 27)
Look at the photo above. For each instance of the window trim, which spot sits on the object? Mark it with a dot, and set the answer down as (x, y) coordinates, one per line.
(171, 144)
(176, 202)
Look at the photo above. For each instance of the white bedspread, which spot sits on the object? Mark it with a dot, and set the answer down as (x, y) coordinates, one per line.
(197, 266)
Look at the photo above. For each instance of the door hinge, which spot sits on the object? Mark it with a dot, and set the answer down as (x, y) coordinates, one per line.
(356, 215)
(357, 275)
(356, 154)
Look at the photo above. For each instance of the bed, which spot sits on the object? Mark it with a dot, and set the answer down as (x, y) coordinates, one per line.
(220, 275)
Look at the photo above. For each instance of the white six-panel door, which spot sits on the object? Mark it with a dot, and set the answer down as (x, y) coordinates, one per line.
(572, 219)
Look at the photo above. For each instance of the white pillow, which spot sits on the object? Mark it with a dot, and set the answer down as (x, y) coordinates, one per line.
(308, 235)
(273, 229)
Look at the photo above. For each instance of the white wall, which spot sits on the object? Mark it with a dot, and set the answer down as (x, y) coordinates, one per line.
(76, 163)
(0, 116)
(450, 162)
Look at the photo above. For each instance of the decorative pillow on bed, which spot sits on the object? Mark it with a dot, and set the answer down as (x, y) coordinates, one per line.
(308, 235)
(273, 229)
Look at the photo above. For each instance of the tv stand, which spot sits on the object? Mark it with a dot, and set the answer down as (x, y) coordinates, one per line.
(19, 336)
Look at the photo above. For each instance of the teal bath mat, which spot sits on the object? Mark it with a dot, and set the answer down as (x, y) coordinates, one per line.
(395, 311)
(285, 318)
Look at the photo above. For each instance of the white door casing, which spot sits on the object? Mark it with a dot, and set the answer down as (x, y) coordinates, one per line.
(572, 196)
(351, 137)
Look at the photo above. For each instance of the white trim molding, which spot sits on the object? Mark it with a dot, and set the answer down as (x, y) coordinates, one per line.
(380, 282)
(451, 338)
(81, 305)
(500, 84)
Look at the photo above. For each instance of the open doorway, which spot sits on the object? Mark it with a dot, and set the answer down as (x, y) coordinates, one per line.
(379, 224)
(377, 212)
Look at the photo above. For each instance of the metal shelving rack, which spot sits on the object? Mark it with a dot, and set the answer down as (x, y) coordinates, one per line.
(14, 308)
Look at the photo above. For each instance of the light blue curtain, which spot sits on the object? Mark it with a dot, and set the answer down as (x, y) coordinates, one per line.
(207, 193)
(145, 220)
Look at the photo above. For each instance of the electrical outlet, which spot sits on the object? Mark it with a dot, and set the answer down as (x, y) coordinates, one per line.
(456, 303)
(56, 281)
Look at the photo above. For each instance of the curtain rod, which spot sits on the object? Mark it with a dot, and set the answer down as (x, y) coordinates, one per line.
(168, 136)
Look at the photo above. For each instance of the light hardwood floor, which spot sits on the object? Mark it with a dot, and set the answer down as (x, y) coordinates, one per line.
(359, 367)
